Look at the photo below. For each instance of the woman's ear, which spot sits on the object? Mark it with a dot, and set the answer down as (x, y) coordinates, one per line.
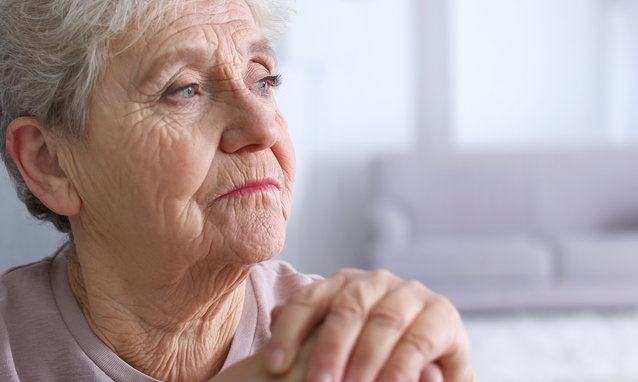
(34, 151)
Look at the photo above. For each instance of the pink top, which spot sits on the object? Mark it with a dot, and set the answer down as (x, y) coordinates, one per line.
(45, 337)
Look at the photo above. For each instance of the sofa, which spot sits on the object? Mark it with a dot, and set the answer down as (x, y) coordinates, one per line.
(497, 230)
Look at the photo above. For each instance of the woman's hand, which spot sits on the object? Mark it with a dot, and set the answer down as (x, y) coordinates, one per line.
(253, 369)
(370, 327)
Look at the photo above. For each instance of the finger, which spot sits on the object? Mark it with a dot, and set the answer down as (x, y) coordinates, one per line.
(436, 335)
(252, 368)
(343, 324)
(455, 362)
(296, 320)
(385, 326)
(431, 373)
(274, 313)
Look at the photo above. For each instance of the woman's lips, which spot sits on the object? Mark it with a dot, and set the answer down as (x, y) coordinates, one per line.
(250, 188)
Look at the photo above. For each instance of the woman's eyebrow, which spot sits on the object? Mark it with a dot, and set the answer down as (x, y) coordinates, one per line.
(264, 48)
(198, 53)
(176, 57)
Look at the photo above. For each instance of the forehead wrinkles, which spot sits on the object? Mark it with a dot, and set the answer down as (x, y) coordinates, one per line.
(211, 24)
(216, 21)
(231, 57)
(233, 46)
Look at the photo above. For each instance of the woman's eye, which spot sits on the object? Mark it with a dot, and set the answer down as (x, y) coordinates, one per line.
(189, 91)
(181, 93)
(265, 85)
(261, 86)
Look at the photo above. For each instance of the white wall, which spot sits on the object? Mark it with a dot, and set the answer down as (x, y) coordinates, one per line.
(348, 90)
(527, 72)
(543, 72)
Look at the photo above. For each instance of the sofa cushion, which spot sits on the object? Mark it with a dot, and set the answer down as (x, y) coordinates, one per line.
(595, 258)
(501, 229)
(471, 261)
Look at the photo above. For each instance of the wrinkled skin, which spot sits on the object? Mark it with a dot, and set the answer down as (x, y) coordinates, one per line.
(159, 157)
(364, 326)
(156, 161)
(164, 240)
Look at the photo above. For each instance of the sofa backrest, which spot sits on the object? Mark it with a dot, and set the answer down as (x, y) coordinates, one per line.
(588, 191)
(504, 192)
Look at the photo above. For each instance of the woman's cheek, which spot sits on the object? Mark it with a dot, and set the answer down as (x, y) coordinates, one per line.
(181, 163)
(182, 170)
(284, 152)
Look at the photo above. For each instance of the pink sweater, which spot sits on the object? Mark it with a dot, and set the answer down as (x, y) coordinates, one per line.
(45, 337)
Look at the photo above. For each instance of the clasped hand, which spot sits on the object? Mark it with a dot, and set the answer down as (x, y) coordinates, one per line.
(363, 326)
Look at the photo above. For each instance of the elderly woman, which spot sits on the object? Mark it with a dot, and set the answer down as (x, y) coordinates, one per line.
(148, 131)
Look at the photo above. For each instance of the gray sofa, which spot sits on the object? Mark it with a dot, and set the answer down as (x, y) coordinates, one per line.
(503, 230)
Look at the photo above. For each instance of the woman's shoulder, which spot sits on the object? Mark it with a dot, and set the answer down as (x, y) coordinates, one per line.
(26, 294)
(28, 315)
(31, 281)
(270, 284)
(280, 275)
(21, 281)
(273, 282)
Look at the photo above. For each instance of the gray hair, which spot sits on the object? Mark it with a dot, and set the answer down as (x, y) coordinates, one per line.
(54, 52)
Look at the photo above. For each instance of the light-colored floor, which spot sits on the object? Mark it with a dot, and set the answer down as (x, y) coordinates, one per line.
(555, 347)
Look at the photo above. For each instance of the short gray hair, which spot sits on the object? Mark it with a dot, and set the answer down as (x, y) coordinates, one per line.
(54, 52)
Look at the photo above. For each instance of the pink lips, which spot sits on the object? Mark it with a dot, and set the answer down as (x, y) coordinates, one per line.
(250, 188)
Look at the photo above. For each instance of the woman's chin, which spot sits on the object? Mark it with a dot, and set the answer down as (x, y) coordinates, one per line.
(263, 241)
(248, 238)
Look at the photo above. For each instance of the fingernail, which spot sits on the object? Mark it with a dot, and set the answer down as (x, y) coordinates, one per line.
(321, 376)
(276, 359)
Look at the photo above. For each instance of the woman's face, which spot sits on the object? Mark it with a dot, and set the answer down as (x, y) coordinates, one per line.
(188, 158)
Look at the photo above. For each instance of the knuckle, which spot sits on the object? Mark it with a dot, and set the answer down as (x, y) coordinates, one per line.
(446, 306)
(308, 295)
(348, 308)
(438, 300)
(417, 290)
(417, 287)
(346, 273)
(420, 343)
(352, 302)
(389, 320)
(383, 274)
(357, 292)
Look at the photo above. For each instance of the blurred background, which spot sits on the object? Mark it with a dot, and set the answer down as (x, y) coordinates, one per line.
(485, 148)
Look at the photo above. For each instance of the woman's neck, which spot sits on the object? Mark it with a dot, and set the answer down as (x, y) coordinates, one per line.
(180, 332)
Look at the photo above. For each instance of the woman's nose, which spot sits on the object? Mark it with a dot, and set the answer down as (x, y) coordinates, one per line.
(254, 125)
